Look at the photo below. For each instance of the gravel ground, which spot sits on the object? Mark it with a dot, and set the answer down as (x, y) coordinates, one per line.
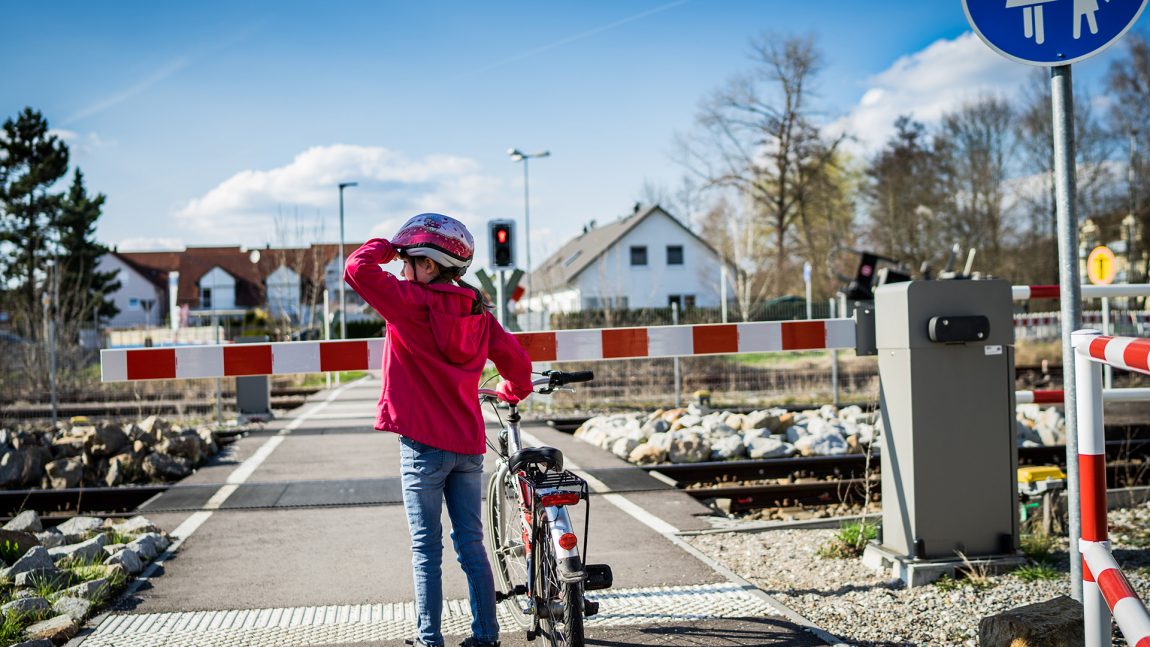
(861, 607)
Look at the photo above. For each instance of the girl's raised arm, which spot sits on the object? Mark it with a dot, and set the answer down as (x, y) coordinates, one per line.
(390, 297)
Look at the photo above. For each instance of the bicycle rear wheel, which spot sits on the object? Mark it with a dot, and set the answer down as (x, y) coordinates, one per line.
(504, 526)
(561, 616)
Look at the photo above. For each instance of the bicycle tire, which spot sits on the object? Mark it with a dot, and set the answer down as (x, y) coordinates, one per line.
(504, 525)
(567, 630)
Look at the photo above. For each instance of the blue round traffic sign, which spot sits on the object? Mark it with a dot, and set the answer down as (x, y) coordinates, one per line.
(1051, 32)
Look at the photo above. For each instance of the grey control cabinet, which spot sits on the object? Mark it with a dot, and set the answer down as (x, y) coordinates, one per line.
(253, 392)
(949, 460)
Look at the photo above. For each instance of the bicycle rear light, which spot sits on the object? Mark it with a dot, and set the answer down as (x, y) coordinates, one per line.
(559, 498)
(567, 541)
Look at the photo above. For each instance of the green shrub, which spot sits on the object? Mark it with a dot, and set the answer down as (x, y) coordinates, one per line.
(1037, 571)
(1038, 548)
(850, 540)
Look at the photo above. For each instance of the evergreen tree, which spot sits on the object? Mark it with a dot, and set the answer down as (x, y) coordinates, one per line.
(31, 161)
(83, 289)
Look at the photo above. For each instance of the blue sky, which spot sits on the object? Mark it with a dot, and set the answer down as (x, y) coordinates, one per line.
(201, 121)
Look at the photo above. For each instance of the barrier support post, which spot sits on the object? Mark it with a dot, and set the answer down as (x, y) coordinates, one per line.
(1092, 480)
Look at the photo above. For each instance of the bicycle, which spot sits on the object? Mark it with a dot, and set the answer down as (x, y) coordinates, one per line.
(541, 576)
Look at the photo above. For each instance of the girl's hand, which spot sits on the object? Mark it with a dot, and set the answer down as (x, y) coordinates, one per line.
(387, 252)
(505, 392)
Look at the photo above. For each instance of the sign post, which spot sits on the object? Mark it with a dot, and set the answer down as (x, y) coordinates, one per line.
(1054, 34)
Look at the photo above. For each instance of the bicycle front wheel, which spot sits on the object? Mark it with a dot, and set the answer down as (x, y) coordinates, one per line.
(505, 533)
(561, 603)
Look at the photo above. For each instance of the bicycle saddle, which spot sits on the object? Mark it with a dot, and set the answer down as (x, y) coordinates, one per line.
(548, 456)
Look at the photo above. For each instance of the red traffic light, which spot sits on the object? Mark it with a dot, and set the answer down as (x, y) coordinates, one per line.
(501, 235)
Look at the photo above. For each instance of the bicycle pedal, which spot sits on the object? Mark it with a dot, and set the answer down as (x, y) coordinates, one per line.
(518, 590)
(598, 577)
(590, 608)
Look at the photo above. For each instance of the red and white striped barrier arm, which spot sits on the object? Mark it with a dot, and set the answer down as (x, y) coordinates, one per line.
(229, 360)
(1128, 609)
(1058, 396)
(1130, 353)
(1089, 291)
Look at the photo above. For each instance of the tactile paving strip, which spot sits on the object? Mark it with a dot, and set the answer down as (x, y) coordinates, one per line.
(330, 625)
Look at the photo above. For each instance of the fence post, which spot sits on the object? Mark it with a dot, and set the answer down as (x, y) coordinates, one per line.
(833, 314)
(1107, 371)
(1091, 479)
(678, 376)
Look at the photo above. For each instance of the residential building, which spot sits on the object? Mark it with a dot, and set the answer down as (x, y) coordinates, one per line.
(647, 259)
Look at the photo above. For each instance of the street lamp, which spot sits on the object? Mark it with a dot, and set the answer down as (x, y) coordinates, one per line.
(342, 310)
(519, 156)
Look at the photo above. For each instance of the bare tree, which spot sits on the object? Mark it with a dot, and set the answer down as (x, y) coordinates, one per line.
(904, 197)
(975, 146)
(756, 136)
(1093, 146)
(1129, 83)
(730, 230)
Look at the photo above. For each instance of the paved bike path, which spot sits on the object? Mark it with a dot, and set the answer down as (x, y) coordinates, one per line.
(258, 566)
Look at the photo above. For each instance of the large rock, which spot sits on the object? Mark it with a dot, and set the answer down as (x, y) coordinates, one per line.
(26, 521)
(689, 446)
(54, 578)
(161, 467)
(11, 468)
(622, 447)
(1054, 623)
(25, 606)
(135, 526)
(77, 608)
(87, 590)
(64, 473)
(106, 440)
(648, 453)
(767, 447)
(147, 546)
(34, 460)
(153, 426)
(656, 426)
(829, 443)
(128, 559)
(83, 552)
(33, 560)
(187, 446)
(728, 448)
(40, 642)
(67, 447)
(18, 541)
(80, 525)
(57, 629)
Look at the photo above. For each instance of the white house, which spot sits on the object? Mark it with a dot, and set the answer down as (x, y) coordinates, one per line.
(645, 260)
(140, 299)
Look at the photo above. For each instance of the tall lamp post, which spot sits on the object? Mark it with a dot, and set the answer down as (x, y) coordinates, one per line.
(519, 156)
(342, 310)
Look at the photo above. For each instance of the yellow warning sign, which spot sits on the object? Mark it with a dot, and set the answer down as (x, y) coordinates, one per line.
(1100, 266)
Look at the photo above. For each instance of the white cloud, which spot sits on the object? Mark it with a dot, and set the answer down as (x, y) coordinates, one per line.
(927, 84)
(146, 244)
(242, 209)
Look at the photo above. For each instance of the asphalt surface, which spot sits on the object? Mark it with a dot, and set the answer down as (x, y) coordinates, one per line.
(286, 554)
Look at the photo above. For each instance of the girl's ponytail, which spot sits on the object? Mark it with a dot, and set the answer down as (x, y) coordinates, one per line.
(481, 304)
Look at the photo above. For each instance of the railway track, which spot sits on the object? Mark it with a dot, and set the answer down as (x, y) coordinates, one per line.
(743, 485)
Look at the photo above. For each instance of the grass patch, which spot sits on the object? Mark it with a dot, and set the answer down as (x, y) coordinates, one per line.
(1038, 548)
(1037, 571)
(117, 537)
(948, 583)
(12, 627)
(10, 552)
(320, 379)
(849, 541)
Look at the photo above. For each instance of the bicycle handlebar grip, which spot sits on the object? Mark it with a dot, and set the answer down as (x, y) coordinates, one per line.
(580, 376)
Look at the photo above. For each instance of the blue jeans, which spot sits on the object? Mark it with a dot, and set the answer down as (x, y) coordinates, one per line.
(431, 476)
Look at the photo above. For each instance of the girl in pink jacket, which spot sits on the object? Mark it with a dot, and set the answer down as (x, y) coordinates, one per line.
(439, 337)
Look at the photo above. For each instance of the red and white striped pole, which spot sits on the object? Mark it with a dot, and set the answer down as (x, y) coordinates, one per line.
(1120, 597)
(1091, 479)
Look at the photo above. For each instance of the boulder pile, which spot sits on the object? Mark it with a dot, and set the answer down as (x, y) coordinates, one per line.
(55, 578)
(696, 434)
(78, 454)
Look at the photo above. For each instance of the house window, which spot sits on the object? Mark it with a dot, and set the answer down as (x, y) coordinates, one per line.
(674, 254)
(133, 303)
(683, 300)
(205, 297)
(638, 255)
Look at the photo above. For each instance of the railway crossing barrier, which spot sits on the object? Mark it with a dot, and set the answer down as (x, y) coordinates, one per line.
(1105, 590)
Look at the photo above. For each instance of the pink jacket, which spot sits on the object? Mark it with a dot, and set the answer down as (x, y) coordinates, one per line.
(433, 354)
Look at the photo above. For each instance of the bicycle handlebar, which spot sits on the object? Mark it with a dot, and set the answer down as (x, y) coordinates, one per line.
(550, 381)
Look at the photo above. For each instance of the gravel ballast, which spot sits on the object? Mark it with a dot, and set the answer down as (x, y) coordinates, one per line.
(862, 607)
